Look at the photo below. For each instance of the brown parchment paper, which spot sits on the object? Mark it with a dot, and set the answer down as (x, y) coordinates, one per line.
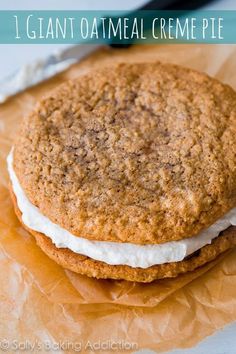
(41, 302)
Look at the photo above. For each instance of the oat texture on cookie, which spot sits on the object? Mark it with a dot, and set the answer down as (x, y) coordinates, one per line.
(140, 153)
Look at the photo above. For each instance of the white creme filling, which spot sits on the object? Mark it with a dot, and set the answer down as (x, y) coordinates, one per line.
(114, 253)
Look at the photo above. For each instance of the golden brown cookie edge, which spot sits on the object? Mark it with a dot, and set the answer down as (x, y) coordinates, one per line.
(92, 268)
(124, 236)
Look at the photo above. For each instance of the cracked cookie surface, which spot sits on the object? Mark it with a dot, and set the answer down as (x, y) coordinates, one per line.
(140, 153)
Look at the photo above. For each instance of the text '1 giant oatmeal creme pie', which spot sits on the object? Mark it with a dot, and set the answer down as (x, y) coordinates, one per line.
(129, 172)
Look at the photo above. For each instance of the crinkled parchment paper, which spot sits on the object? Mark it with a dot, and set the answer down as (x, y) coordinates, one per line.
(42, 303)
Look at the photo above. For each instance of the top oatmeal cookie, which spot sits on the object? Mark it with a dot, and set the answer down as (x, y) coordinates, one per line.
(140, 153)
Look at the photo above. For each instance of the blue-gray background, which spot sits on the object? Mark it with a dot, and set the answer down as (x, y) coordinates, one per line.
(13, 56)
